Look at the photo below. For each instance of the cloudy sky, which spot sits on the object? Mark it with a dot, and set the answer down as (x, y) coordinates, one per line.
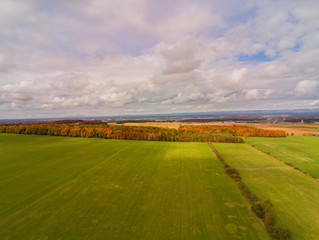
(103, 57)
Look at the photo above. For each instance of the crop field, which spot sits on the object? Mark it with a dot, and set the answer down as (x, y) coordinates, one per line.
(79, 188)
(243, 155)
(301, 151)
(293, 194)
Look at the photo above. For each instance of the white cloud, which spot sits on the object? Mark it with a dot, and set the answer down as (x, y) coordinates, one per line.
(307, 87)
(252, 94)
(314, 103)
(4, 63)
(238, 74)
(106, 57)
(276, 69)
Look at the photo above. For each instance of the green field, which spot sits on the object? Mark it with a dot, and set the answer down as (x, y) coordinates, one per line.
(293, 194)
(301, 151)
(75, 188)
(298, 126)
(240, 155)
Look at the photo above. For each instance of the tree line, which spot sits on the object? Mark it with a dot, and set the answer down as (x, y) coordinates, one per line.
(232, 130)
(188, 133)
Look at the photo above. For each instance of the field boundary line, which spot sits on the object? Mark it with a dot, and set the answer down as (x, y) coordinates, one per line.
(263, 168)
(284, 162)
(4, 221)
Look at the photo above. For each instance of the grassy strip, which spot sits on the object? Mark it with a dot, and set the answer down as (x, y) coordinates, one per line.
(265, 211)
(287, 163)
(298, 126)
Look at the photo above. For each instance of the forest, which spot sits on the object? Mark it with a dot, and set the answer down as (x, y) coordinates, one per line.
(186, 133)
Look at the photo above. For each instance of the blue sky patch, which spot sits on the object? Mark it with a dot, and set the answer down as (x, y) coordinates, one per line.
(296, 47)
(259, 57)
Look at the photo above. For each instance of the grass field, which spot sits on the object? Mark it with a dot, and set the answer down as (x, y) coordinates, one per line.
(301, 151)
(75, 188)
(293, 194)
(240, 155)
(300, 126)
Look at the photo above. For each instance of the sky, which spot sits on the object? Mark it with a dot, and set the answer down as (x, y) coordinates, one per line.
(103, 57)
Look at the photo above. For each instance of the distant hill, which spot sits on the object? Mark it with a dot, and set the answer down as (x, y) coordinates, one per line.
(229, 114)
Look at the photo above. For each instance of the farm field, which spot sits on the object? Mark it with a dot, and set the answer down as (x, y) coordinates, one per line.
(301, 151)
(296, 129)
(293, 194)
(79, 188)
(245, 156)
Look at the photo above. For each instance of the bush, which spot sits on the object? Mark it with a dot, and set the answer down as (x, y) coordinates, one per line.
(274, 231)
(269, 214)
(232, 171)
(258, 210)
(254, 199)
(243, 188)
(279, 233)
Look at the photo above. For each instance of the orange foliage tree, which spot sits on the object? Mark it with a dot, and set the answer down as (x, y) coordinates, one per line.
(187, 133)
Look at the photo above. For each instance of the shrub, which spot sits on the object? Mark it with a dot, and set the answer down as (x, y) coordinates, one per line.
(269, 214)
(279, 233)
(276, 232)
(258, 210)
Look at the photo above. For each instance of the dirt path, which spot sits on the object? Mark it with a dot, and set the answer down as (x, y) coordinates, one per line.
(252, 168)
